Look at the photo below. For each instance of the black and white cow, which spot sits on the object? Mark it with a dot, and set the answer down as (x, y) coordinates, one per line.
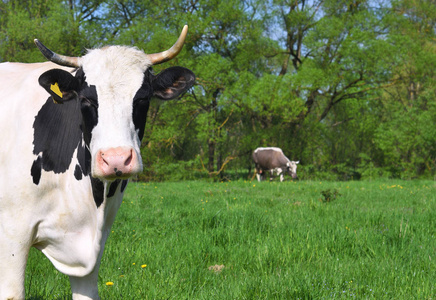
(272, 160)
(69, 146)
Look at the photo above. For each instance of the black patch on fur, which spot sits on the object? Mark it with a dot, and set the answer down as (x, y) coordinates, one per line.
(35, 170)
(141, 103)
(124, 185)
(89, 105)
(97, 190)
(61, 129)
(84, 158)
(113, 188)
(57, 134)
(78, 172)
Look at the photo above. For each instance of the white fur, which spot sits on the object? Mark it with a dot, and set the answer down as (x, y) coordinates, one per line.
(269, 148)
(117, 72)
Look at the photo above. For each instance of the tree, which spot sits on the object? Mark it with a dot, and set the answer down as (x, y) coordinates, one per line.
(406, 135)
(60, 25)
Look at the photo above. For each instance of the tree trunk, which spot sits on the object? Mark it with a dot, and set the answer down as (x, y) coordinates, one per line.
(210, 165)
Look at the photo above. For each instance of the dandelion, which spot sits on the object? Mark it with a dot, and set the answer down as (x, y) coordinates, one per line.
(254, 185)
(143, 266)
(134, 264)
(109, 283)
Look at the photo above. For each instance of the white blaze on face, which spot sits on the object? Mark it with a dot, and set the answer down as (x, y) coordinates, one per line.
(117, 73)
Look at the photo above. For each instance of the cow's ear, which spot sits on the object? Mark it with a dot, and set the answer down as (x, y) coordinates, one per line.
(172, 82)
(60, 84)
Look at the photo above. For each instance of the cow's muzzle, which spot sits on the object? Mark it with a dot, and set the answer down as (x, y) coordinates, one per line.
(114, 163)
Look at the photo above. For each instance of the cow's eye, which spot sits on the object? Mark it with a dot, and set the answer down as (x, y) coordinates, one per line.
(89, 102)
(139, 101)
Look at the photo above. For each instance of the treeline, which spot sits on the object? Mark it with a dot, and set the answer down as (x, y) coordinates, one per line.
(346, 87)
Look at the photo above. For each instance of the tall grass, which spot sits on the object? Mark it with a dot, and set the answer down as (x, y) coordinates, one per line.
(250, 240)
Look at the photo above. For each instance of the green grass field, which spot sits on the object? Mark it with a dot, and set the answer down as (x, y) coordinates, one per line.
(250, 240)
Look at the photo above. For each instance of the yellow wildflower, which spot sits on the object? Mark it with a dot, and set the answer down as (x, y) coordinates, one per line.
(109, 283)
(143, 266)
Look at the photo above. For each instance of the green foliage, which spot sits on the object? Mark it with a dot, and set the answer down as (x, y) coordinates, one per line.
(407, 142)
(57, 24)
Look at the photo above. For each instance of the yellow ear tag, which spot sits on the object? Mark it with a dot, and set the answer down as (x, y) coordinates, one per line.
(55, 88)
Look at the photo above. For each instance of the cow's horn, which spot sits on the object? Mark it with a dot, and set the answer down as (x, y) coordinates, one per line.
(67, 61)
(161, 57)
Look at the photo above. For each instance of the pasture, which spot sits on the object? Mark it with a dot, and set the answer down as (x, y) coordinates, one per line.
(250, 240)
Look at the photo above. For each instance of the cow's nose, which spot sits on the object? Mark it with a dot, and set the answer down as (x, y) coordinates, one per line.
(117, 162)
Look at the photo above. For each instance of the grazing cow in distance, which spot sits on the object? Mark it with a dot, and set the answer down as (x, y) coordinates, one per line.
(69, 146)
(272, 160)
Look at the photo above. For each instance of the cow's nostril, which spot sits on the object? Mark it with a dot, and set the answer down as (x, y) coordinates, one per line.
(129, 159)
(104, 160)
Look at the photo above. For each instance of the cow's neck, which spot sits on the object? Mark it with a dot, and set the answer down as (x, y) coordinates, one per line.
(106, 212)
(108, 208)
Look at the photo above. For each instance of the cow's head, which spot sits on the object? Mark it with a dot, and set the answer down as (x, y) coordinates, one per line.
(291, 168)
(113, 86)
